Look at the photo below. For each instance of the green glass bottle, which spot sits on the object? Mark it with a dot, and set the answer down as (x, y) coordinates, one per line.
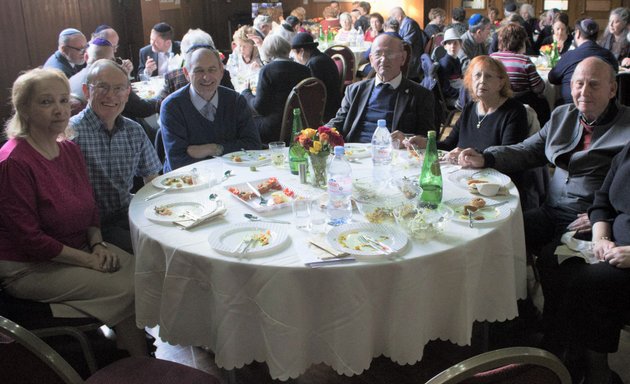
(330, 37)
(431, 176)
(322, 37)
(297, 153)
(555, 55)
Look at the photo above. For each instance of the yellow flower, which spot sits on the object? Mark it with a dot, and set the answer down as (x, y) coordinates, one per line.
(309, 132)
(317, 146)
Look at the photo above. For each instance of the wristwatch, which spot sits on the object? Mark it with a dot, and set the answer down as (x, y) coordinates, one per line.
(101, 243)
(219, 150)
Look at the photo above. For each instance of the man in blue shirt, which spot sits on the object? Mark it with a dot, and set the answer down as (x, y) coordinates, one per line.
(116, 149)
(203, 119)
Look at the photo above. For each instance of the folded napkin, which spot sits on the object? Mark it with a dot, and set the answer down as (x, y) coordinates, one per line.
(191, 223)
(573, 247)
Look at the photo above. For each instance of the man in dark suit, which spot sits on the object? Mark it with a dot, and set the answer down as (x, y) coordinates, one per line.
(322, 67)
(414, 36)
(405, 105)
(154, 57)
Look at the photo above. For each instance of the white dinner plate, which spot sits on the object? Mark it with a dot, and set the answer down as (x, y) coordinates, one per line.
(178, 181)
(248, 158)
(489, 175)
(176, 210)
(345, 238)
(226, 240)
(357, 151)
(491, 213)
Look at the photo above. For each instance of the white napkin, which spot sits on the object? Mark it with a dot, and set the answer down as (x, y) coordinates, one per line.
(573, 247)
(190, 223)
(321, 254)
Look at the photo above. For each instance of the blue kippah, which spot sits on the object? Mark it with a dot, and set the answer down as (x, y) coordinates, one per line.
(69, 31)
(474, 19)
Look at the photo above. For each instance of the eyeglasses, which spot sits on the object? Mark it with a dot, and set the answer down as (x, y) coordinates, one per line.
(80, 50)
(388, 55)
(103, 89)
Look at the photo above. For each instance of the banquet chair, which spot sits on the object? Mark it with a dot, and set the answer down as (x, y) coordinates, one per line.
(27, 359)
(348, 56)
(516, 365)
(310, 96)
(38, 318)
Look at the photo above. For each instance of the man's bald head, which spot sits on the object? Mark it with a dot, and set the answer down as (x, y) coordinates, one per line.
(593, 85)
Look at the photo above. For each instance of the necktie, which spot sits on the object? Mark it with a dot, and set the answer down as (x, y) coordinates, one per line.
(208, 111)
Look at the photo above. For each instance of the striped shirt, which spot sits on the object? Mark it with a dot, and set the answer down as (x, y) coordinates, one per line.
(113, 161)
(521, 71)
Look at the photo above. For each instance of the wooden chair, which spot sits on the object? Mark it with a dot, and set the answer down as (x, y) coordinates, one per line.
(517, 365)
(33, 361)
(405, 66)
(348, 56)
(310, 96)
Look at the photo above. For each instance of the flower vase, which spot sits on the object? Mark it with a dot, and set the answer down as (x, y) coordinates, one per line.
(318, 169)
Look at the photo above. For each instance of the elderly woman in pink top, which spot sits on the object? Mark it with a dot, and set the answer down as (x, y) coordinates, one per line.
(51, 249)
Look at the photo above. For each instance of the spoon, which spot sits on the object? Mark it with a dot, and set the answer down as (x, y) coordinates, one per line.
(256, 218)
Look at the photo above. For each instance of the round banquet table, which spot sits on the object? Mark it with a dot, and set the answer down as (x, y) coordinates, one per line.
(276, 310)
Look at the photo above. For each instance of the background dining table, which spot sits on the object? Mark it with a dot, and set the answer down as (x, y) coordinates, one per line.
(277, 310)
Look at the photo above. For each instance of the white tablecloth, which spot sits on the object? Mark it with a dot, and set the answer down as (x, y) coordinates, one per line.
(552, 91)
(275, 310)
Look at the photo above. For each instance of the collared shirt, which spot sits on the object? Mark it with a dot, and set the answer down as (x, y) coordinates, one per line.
(162, 63)
(394, 83)
(113, 160)
(199, 102)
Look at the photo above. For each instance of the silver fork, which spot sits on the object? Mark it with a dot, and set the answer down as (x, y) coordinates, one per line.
(376, 245)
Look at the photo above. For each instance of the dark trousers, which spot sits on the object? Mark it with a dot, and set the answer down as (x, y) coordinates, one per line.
(115, 230)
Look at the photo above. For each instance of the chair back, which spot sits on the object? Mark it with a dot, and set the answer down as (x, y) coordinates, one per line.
(405, 66)
(37, 358)
(623, 88)
(517, 365)
(348, 56)
(310, 96)
(342, 68)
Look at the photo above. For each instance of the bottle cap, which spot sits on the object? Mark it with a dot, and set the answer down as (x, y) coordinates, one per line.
(431, 134)
(340, 150)
(381, 123)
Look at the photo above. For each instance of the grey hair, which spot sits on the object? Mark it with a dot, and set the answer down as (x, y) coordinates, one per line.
(345, 15)
(194, 37)
(480, 25)
(623, 13)
(275, 47)
(262, 19)
(529, 9)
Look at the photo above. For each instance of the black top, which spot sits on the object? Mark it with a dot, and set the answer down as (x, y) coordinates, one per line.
(612, 201)
(325, 69)
(565, 47)
(507, 125)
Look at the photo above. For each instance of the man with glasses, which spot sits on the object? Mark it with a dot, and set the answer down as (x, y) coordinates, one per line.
(405, 105)
(203, 119)
(115, 148)
(69, 56)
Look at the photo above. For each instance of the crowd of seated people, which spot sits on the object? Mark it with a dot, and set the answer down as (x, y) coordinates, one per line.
(202, 116)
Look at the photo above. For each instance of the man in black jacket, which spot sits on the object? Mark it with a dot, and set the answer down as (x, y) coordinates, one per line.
(154, 57)
(322, 67)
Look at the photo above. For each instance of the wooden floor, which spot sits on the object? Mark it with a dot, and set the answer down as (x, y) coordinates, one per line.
(437, 356)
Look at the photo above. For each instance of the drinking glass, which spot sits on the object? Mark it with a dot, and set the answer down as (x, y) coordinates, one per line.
(302, 213)
(277, 153)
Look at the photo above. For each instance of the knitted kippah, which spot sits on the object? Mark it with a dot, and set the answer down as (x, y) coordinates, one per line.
(100, 42)
(69, 31)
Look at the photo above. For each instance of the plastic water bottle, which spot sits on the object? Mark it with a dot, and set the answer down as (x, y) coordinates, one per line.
(381, 144)
(339, 208)
(360, 37)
